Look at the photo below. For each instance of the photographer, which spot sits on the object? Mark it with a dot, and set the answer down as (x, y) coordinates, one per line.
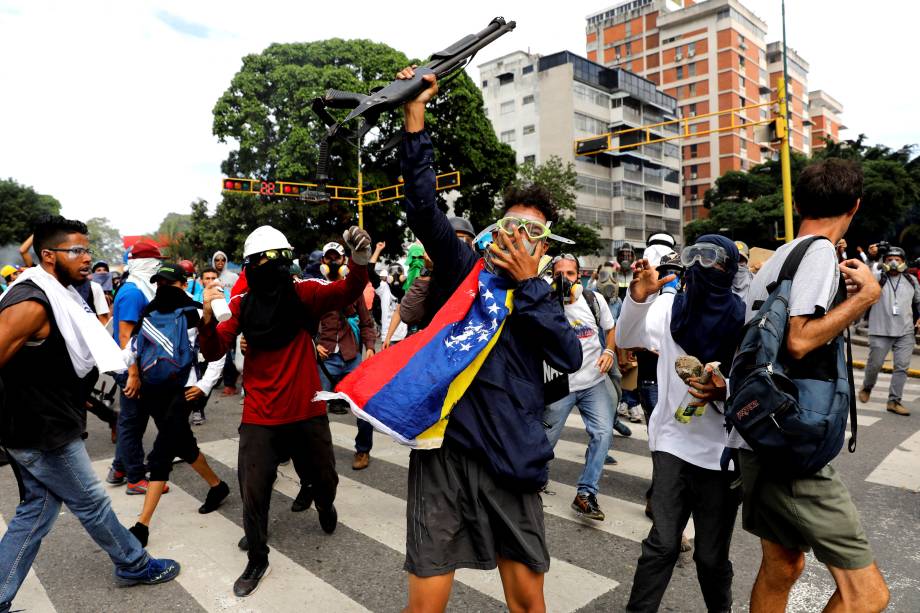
(892, 323)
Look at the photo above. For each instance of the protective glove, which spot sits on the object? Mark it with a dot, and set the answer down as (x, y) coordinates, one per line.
(358, 242)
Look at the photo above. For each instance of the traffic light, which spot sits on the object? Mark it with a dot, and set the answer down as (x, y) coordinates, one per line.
(245, 186)
(592, 145)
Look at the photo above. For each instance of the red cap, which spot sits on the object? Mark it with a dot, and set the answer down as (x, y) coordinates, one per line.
(145, 249)
(188, 266)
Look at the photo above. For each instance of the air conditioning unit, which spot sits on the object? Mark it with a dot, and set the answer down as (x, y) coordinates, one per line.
(743, 46)
(694, 197)
(618, 57)
(691, 52)
(678, 56)
(692, 113)
(693, 175)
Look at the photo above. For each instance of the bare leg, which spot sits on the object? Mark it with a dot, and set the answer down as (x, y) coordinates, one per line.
(523, 587)
(780, 568)
(202, 467)
(151, 500)
(429, 594)
(862, 590)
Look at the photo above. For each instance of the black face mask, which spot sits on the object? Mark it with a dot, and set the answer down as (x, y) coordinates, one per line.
(268, 277)
(271, 314)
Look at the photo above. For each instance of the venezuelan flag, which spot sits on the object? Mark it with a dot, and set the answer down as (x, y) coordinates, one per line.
(409, 390)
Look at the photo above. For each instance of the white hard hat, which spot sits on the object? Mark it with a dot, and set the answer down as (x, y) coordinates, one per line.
(264, 238)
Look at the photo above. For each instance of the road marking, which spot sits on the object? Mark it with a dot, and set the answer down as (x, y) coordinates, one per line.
(899, 468)
(625, 519)
(381, 517)
(628, 463)
(31, 597)
(639, 431)
(865, 420)
(205, 546)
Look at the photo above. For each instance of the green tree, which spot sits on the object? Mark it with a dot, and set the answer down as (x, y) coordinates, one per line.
(105, 240)
(266, 112)
(559, 179)
(20, 207)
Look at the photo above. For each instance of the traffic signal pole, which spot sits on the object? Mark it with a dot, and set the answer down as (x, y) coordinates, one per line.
(782, 131)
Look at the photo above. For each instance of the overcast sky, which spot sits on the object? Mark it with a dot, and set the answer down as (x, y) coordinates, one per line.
(107, 105)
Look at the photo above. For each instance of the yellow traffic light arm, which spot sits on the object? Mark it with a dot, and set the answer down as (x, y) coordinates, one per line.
(683, 125)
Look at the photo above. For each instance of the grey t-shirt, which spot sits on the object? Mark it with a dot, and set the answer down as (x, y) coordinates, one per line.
(884, 318)
(814, 286)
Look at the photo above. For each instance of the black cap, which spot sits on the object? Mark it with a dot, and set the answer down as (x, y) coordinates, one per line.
(170, 272)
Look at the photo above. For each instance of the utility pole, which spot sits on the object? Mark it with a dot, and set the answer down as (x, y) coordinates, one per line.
(782, 131)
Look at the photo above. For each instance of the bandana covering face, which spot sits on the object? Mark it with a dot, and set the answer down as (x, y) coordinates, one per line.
(271, 313)
(140, 271)
(707, 317)
(415, 262)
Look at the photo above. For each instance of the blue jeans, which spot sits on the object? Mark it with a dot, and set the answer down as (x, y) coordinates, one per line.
(63, 475)
(596, 408)
(132, 423)
(630, 397)
(338, 368)
(648, 397)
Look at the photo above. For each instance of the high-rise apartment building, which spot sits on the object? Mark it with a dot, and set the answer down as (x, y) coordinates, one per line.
(711, 56)
(541, 104)
(824, 111)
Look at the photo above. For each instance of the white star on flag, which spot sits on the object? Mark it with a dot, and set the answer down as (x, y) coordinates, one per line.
(493, 309)
(465, 347)
(488, 295)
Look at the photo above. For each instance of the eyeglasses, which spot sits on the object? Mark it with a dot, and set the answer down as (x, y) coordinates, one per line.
(271, 254)
(707, 254)
(75, 252)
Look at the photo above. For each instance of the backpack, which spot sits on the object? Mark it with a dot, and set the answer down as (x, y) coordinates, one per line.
(165, 355)
(793, 413)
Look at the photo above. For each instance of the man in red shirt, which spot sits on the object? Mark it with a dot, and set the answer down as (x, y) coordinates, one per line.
(280, 417)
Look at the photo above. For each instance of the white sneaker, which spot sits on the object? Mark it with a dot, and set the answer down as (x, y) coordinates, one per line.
(635, 414)
(197, 418)
(623, 409)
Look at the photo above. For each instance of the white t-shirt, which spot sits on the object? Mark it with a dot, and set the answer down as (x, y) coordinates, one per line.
(647, 325)
(99, 302)
(582, 319)
(388, 306)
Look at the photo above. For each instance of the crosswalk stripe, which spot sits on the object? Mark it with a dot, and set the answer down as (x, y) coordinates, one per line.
(865, 420)
(899, 468)
(210, 565)
(381, 517)
(628, 463)
(32, 596)
(639, 431)
(625, 519)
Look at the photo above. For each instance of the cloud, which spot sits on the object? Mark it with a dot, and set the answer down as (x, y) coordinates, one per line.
(183, 26)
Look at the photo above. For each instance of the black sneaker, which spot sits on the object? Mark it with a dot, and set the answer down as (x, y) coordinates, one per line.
(140, 532)
(586, 506)
(244, 543)
(250, 579)
(304, 499)
(216, 495)
(328, 519)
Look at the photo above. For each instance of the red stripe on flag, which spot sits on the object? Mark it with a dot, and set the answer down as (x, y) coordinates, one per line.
(372, 375)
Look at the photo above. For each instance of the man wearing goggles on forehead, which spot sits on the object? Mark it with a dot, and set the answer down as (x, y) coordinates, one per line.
(703, 319)
(495, 450)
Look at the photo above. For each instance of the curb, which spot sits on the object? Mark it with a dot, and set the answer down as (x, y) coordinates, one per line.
(911, 372)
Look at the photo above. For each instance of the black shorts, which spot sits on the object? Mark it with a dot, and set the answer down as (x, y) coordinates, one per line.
(458, 517)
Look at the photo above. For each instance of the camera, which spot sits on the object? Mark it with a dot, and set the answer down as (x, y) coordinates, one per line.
(883, 248)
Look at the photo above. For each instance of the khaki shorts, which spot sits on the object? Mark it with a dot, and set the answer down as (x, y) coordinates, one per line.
(813, 512)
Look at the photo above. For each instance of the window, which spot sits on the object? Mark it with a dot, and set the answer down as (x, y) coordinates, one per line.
(507, 107)
(506, 78)
(740, 60)
(527, 100)
(741, 83)
(530, 159)
(691, 110)
(527, 69)
(741, 101)
(680, 72)
(529, 129)
(671, 151)
(507, 136)
(693, 151)
(691, 49)
(485, 83)
(691, 69)
(691, 89)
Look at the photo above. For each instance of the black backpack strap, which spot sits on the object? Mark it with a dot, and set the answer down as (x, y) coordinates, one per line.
(852, 444)
(591, 299)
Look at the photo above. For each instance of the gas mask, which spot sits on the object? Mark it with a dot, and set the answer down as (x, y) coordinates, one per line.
(894, 266)
(566, 291)
(607, 282)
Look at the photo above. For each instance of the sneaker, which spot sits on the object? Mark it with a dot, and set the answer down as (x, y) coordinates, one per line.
(156, 571)
(635, 414)
(304, 499)
(586, 506)
(610, 460)
(249, 581)
(116, 477)
(216, 495)
(361, 461)
(621, 428)
(140, 532)
(328, 519)
(864, 395)
(197, 418)
(140, 488)
(229, 390)
(897, 408)
(623, 409)
(243, 543)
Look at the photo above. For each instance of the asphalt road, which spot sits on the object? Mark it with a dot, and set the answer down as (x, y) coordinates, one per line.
(360, 566)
